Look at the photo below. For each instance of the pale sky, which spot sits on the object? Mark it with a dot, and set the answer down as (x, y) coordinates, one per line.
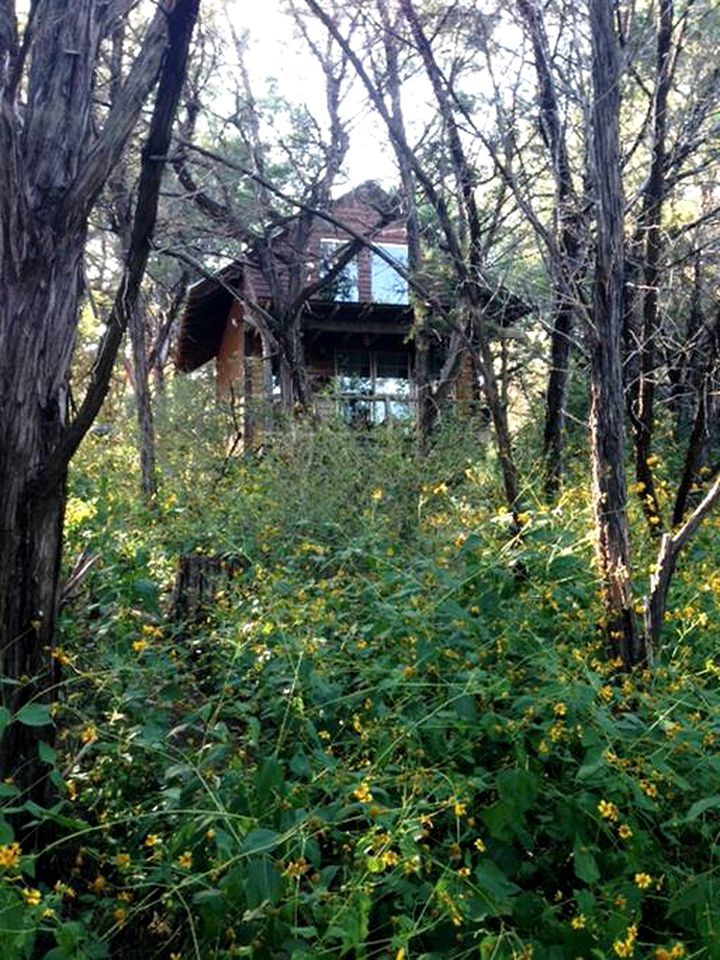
(275, 53)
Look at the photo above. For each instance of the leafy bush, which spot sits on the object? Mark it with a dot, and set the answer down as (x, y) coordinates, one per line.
(396, 734)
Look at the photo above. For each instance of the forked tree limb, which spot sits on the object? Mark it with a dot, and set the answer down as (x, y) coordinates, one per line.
(181, 21)
(670, 548)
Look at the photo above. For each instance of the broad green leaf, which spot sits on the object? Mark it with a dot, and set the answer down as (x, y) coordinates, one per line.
(260, 841)
(34, 715)
(518, 788)
(492, 879)
(46, 752)
(584, 862)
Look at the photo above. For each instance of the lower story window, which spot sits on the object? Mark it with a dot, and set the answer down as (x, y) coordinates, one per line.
(373, 386)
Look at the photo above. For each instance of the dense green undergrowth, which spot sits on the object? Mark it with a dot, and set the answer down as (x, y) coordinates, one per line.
(396, 735)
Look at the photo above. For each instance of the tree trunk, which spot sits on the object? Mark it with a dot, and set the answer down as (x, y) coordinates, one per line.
(52, 169)
(565, 260)
(484, 363)
(143, 401)
(606, 391)
(651, 222)
(38, 336)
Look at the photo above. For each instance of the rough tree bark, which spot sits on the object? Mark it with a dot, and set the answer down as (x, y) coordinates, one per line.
(52, 170)
(121, 220)
(143, 400)
(423, 386)
(565, 262)
(470, 267)
(606, 389)
(650, 227)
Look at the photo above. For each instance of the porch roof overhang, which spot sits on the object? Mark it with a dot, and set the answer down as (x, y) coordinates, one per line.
(203, 322)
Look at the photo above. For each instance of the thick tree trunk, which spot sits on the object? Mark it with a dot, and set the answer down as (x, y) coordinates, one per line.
(294, 384)
(52, 168)
(38, 321)
(606, 392)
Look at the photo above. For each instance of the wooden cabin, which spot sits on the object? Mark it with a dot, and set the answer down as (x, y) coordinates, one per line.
(356, 327)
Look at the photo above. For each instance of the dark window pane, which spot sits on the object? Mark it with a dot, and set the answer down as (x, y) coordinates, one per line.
(344, 287)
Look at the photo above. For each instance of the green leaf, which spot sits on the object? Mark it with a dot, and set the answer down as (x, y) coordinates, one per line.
(268, 780)
(492, 879)
(46, 753)
(518, 788)
(584, 862)
(353, 924)
(263, 883)
(5, 717)
(594, 761)
(34, 715)
(260, 841)
(698, 808)
(208, 896)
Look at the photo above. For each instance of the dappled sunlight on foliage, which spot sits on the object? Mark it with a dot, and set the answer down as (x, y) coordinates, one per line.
(396, 734)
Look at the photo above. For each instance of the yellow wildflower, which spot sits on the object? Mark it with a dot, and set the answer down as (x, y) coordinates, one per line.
(479, 845)
(185, 860)
(10, 856)
(626, 947)
(98, 884)
(557, 731)
(624, 831)
(296, 868)
(64, 890)
(578, 922)
(123, 860)
(152, 840)
(139, 645)
(119, 916)
(607, 810)
(560, 710)
(390, 858)
(32, 896)
(377, 494)
(648, 788)
(363, 793)
(460, 808)
(89, 733)
(642, 880)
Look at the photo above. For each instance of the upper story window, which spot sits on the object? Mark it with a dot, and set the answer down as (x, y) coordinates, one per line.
(344, 287)
(387, 284)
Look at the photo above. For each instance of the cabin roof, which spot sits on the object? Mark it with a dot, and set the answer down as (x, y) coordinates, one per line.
(203, 322)
(208, 300)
